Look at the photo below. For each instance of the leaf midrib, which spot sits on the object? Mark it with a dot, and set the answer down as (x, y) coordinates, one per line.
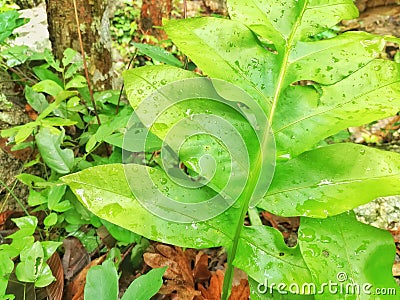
(284, 68)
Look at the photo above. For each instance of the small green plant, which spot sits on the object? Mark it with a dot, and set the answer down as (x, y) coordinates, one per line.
(32, 266)
(143, 288)
(264, 50)
(9, 20)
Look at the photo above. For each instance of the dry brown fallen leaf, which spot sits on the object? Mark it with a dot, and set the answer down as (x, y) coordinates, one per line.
(75, 257)
(189, 269)
(213, 292)
(22, 154)
(396, 269)
(240, 287)
(56, 288)
(179, 277)
(201, 273)
(75, 290)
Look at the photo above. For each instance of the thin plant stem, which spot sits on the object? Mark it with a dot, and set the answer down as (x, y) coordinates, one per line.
(14, 196)
(123, 85)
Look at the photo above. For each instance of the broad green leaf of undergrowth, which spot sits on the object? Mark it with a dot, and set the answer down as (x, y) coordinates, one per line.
(31, 180)
(144, 81)
(158, 53)
(50, 220)
(36, 100)
(6, 267)
(9, 20)
(48, 86)
(262, 251)
(106, 193)
(332, 179)
(121, 234)
(106, 129)
(198, 98)
(102, 282)
(33, 266)
(353, 253)
(117, 205)
(299, 115)
(20, 133)
(21, 240)
(275, 20)
(146, 286)
(49, 145)
(45, 74)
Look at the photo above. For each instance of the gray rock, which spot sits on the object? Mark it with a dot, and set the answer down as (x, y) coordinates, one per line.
(382, 213)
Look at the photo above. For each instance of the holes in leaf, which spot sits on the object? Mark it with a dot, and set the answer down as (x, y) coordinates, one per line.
(304, 82)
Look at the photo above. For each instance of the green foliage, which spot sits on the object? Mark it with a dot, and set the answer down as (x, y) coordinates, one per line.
(60, 161)
(32, 266)
(102, 283)
(146, 286)
(64, 127)
(358, 250)
(124, 25)
(158, 54)
(9, 20)
(266, 49)
(67, 136)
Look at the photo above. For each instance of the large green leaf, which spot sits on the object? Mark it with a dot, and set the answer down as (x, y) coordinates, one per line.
(338, 101)
(278, 21)
(49, 145)
(144, 81)
(241, 59)
(330, 180)
(146, 286)
(106, 193)
(102, 282)
(353, 254)
(206, 122)
(311, 115)
(263, 253)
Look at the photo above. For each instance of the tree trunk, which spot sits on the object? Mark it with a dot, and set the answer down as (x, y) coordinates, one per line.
(24, 4)
(151, 15)
(94, 26)
(216, 7)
